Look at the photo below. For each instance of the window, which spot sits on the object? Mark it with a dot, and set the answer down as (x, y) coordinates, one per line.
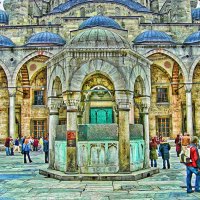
(39, 97)
(62, 121)
(39, 128)
(162, 95)
(164, 126)
(82, 12)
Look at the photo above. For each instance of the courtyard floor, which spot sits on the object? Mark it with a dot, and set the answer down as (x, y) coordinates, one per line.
(22, 181)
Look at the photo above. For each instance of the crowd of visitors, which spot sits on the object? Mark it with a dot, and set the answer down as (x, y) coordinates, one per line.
(26, 144)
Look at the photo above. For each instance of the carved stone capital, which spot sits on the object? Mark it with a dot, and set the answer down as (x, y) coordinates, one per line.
(12, 92)
(54, 104)
(123, 104)
(188, 88)
(72, 105)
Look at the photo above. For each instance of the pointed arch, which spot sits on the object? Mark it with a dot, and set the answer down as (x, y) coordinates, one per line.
(58, 72)
(171, 55)
(192, 68)
(7, 72)
(26, 59)
(97, 66)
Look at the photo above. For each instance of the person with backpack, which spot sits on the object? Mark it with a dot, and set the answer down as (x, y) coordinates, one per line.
(193, 167)
(164, 150)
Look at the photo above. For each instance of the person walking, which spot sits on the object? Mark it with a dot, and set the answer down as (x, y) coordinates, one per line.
(164, 150)
(35, 144)
(178, 145)
(46, 149)
(153, 152)
(17, 145)
(193, 167)
(26, 150)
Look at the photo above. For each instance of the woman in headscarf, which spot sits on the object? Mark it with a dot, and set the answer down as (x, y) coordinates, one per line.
(153, 152)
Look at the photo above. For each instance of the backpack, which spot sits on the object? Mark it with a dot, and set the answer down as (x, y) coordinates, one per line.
(185, 155)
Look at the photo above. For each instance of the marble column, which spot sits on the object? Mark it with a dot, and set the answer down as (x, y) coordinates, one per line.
(124, 137)
(144, 111)
(53, 122)
(12, 96)
(72, 129)
(189, 109)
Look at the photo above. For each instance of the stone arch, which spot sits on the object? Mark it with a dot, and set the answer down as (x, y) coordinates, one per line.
(171, 55)
(191, 72)
(26, 59)
(97, 66)
(7, 72)
(57, 72)
(138, 71)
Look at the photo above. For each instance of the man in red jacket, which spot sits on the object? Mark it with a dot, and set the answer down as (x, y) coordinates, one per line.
(193, 166)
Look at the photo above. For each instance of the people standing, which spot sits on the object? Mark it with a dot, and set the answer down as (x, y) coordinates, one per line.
(35, 144)
(178, 145)
(153, 152)
(193, 167)
(11, 147)
(46, 149)
(16, 145)
(185, 141)
(7, 145)
(164, 150)
(26, 150)
(41, 144)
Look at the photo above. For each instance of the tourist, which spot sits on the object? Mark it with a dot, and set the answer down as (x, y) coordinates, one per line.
(35, 144)
(26, 150)
(164, 150)
(46, 149)
(193, 167)
(17, 145)
(178, 145)
(11, 147)
(41, 144)
(153, 152)
(185, 140)
(7, 145)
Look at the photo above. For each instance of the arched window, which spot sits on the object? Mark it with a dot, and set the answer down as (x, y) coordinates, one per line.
(100, 10)
(117, 11)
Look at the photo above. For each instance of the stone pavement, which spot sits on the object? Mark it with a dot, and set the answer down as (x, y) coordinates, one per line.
(22, 181)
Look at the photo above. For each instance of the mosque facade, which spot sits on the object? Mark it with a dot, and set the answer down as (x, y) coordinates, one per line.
(99, 77)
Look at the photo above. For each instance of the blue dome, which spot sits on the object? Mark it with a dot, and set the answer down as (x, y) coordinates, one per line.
(153, 36)
(100, 20)
(196, 14)
(135, 6)
(45, 38)
(6, 42)
(3, 17)
(193, 38)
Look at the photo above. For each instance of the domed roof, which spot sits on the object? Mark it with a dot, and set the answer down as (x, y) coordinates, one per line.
(196, 14)
(100, 20)
(3, 17)
(153, 36)
(193, 38)
(135, 6)
(98, 38)
(6, 42)
(45, 38)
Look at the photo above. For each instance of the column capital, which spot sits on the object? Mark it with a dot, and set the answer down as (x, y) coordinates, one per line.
(54, 104)
(123, 104)
(72, 105)
(188, 88)
(12, 92)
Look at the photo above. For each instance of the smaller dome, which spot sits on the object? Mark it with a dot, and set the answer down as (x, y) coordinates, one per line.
(193, 38)
(6, 42)
(45, 38)
(101, 21)
(152, 36)
(98, 39)
(3, 17)
(196, 14)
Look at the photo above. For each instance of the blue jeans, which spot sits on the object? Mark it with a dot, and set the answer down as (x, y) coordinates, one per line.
(155, 163)
(168, 164)
(190, 171)
(7, 151)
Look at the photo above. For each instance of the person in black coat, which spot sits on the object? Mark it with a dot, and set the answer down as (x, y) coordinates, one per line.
(46, 149)
(164, 150)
